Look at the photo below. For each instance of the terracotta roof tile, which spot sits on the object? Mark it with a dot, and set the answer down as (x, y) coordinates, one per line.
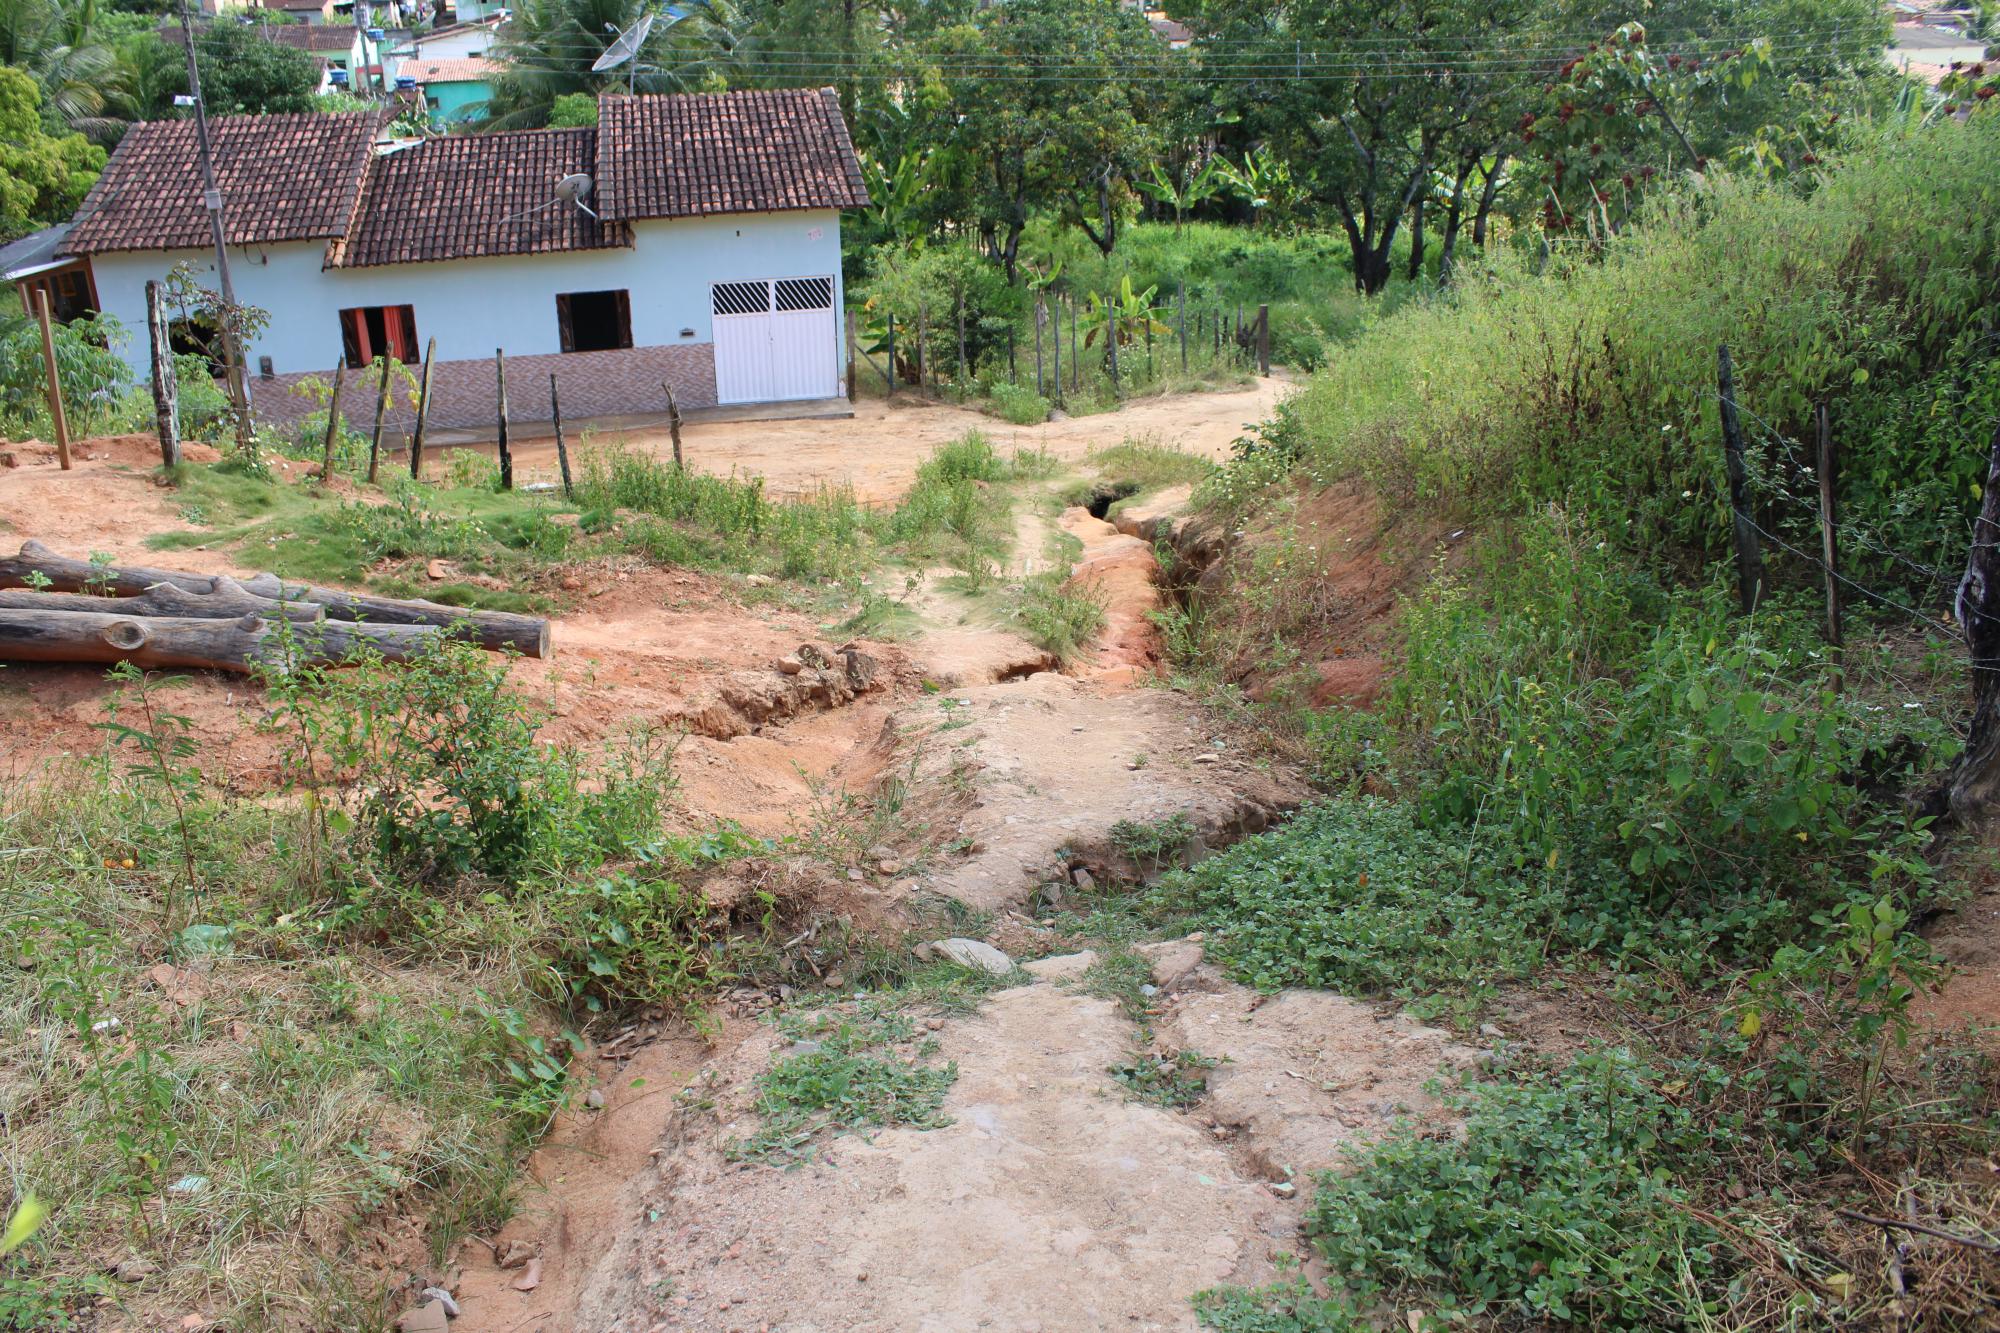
(450, 69)
(318, 37)
(283, 178)
(743, 152)
(475, 194)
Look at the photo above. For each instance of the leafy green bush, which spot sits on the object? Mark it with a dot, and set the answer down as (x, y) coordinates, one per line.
(94, 376)
(1019, 404)
(1566, 1200)
(1358, 896)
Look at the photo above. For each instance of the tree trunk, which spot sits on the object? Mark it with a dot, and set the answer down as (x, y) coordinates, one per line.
(227, 601)
(221, 645)
(1486, 198)
(1971, 790)
(1417, 237)
(528, 635)
(166, 390)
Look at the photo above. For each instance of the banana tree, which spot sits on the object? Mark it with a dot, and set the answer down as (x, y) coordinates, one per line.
(1129, 312)
(1187, 192)
(1264, 181)
(897, 194)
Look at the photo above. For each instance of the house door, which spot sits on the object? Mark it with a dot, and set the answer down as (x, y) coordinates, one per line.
(775, 340)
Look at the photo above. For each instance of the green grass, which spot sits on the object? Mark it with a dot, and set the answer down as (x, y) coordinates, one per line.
(850, 1068)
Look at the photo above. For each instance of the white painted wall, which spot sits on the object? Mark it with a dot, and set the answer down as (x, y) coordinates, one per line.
(472, 306)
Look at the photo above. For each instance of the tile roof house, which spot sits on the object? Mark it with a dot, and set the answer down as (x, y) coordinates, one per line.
(694, 240)
(456, 88)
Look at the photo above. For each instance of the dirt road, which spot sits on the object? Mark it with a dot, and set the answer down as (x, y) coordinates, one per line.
(878, 450)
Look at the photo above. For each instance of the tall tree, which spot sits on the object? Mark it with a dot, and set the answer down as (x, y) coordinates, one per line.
(43, 176)
(551, 45)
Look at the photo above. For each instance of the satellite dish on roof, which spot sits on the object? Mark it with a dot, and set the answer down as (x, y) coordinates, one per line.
(572, 188)
(626, 47)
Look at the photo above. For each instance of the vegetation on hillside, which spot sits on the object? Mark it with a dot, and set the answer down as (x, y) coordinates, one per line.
(1591, 765)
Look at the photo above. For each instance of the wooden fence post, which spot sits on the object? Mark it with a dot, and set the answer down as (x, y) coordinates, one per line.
(1971, 790)
(852, 346)
(1263, 340)
(506, 454)
(1075, 351)
(961, 340)
(56, 416)
(1828, 525)
(1180, 307)
(923, 360)
(423, 411)
(1111, 332)
(166, 388)
(674, 424)
(381, 411)
(562, 450)
(892, 355)
(1749, 563)
(332, 423)
(1055, 350)
(1040, 313)
(1013, 370)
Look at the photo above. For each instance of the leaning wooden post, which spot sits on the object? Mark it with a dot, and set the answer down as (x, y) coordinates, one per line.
(961, 340)
(506, 454)
(56, 416)
(1972, 789)
(381, 411)
(674, 424)
(1749, 563)
(562, 451)
(1263, 340)
(332, 423)
(1055, 350)
(852, 346)
(1075, 352)
(1828, 523)
(166, 389)
(423, 411)
(892, 356)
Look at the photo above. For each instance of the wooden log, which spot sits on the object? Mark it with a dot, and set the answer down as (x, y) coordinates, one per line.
(674, 424)
(527, 635)
(166, 389)
(228, 600)
(240, 645)
(67, 575)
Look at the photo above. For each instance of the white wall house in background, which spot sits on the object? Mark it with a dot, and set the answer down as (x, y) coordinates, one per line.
(713, 261)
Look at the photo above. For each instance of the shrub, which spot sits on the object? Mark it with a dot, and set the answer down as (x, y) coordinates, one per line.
(1019, 405)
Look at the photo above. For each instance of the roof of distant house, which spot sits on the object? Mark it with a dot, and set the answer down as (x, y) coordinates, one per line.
(317, 176)
(284, 177)
(292, 6)
(38, 250)
(452, 69)
(317, 37)
(744, 152)
(1172, 30)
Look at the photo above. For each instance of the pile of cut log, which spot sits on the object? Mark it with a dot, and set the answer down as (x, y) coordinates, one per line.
(57, 609)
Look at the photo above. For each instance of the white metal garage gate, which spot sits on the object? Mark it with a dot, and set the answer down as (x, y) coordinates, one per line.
(775, 340)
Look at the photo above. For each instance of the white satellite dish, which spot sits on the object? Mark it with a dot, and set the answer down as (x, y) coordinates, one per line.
(571, 189)
(626, 47)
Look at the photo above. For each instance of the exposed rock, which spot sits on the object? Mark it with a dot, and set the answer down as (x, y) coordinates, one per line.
(594, 1099)
(1061, 967)
(976, 955)
(1173, 961)
(430, 1317)
(134, 1269)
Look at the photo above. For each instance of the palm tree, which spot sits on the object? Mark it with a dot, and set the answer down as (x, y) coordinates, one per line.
(56, 41)
(553, 43)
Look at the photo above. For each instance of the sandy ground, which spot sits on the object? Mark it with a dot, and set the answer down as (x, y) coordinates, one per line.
(876, 453)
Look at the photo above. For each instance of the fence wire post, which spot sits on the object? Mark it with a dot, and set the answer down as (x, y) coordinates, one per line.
(1749, 563)
(1828, 525)
(562, 450)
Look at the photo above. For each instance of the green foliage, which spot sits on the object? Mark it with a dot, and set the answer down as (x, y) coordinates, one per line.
(1567, 1200)
(1058, 614)
(848, 1069)
(573, 111)
(242, 73)
(635, 938)
(43, 176)
(93, 374)
(1173, 1079)
(1019, 404)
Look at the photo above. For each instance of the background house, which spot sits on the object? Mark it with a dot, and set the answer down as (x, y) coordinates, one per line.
(455, 89)
(712, 261)
(42, 263)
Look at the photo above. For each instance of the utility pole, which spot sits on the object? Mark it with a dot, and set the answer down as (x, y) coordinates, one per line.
(232, 355)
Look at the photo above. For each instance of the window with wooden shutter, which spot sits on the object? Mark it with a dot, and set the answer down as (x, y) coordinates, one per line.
(594, 321)
(369, 331)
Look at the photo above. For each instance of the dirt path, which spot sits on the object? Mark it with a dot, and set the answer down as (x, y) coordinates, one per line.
(877, 451)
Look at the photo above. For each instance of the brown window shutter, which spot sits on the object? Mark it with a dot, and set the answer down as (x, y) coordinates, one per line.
(354, 338)
(624, 318)
(563, 326)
